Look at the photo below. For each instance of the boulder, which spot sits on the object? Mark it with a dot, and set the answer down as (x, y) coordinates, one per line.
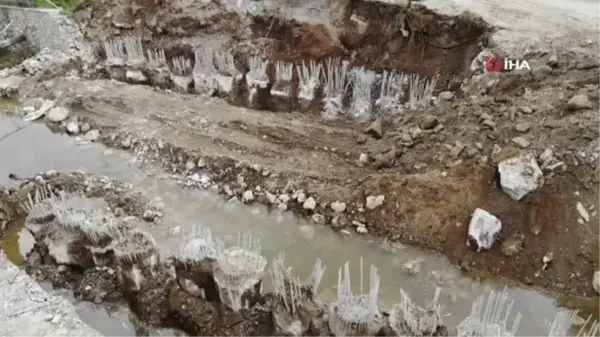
(484, 229)
(520, 176)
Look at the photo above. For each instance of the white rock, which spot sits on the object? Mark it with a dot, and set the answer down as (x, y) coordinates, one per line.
(190, 165)
(149, 215)
(362, 230)
(32, 66)
(201, 163)
(85, 127)
(282, 206)
(271, 198)
(204, 179)
(135, 76)
(338, 207)
(363, 159)
(596, 281)
(248, 196)
(579, 102)
(520, 176)
(373, 202)
(57, 114)
(583, 212)
(309, 204)
(284, 198)
(73, 127)
(484, 229)
(92, 135)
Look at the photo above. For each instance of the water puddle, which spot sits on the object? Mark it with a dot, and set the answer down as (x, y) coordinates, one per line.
(108, 320)
(34, 149)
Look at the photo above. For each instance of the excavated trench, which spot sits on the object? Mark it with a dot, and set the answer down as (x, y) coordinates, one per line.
(187, 208)
(274, 63)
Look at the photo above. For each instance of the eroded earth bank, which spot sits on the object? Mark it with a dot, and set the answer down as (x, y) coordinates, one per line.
(369, 117)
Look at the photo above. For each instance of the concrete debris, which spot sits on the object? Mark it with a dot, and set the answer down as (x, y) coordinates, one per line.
(484, 229)
(22, 315)
(520, 176)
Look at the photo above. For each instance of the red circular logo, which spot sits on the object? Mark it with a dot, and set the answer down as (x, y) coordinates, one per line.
(494, 64)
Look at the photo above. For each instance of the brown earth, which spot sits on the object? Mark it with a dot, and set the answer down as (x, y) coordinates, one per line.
(434, 168)
(430, 194)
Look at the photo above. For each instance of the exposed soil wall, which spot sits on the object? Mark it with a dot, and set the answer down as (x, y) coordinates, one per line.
(372, 34)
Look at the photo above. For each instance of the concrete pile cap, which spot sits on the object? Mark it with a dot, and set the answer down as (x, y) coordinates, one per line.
(27, 310)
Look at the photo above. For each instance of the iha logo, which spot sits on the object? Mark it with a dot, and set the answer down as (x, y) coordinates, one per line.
(496, 64)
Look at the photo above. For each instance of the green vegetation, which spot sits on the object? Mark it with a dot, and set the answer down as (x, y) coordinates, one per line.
(67, 5)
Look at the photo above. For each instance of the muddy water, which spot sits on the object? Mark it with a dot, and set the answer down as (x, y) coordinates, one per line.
(34, 149)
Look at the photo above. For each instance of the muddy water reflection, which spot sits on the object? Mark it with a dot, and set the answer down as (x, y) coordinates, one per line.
(35, 149)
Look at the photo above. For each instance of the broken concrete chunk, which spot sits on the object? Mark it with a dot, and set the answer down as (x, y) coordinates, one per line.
(484, 229)
(520, 176)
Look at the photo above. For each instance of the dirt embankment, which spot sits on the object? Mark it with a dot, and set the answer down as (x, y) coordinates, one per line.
(113, 261)
(433, 169)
